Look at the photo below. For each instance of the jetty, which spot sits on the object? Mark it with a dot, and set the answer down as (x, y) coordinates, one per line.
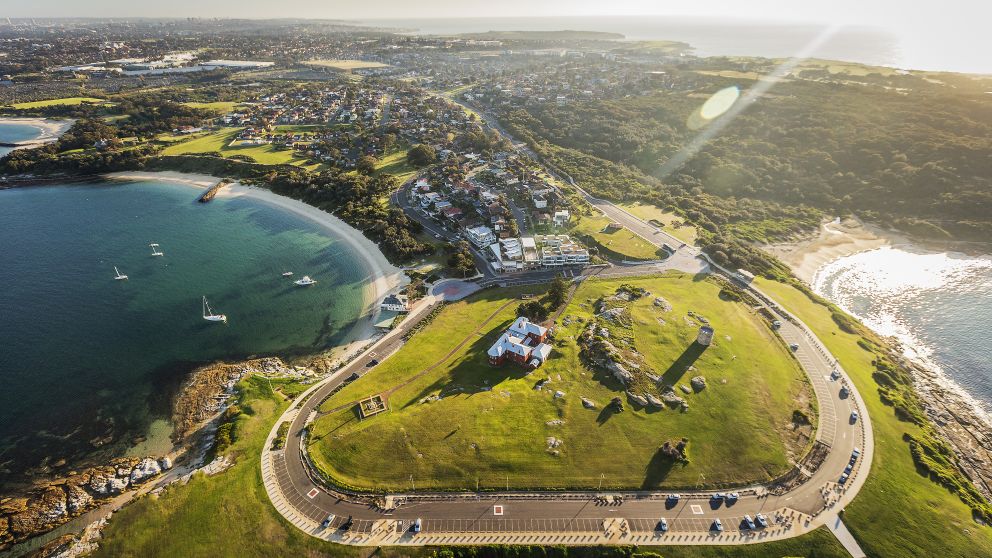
(210, 192)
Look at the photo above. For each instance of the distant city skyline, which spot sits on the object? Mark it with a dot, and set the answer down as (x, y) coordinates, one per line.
(950, 34)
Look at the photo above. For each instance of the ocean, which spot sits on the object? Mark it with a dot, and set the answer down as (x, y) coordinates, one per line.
(84, 356)
(939, 305)
(908, 48)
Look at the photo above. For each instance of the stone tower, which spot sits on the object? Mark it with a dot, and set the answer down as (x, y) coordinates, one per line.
(705, 336)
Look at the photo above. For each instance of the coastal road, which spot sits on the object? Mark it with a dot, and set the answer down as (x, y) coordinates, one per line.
(578, 517)
(811, 499)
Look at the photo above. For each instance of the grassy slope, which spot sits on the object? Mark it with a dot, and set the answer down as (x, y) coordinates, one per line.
(685, 233)
(499, 436)
(217, 106)
(230, 514)
(224, 515)
(395, 163)
(898, 512)
(623, 243)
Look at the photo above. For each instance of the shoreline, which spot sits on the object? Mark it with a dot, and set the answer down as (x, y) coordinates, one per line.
(382, 276)
(51, 129)
(961, 418)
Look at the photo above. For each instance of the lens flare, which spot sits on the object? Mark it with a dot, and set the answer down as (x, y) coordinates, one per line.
(718, 103)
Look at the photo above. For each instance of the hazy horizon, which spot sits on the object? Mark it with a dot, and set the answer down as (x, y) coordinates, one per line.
(949, 36)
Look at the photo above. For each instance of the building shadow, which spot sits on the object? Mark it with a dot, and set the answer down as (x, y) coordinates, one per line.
(678, 368)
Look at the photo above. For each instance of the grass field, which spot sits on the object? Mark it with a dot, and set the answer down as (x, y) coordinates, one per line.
(899, 512)
(218, 142)
(395, 163)
(622, 243)
(345, 65)
(686, 233)
(490, 425)
(216, 106)
(229, 515)
(54, 102)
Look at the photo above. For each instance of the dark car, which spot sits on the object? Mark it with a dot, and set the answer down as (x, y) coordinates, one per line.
(717, 526)
(327, 521)
(662, 525)
(372, 363)
(761, 521)
(348, 524)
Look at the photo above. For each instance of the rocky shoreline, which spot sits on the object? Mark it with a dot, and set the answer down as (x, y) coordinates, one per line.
(959, 421)
(54, 502)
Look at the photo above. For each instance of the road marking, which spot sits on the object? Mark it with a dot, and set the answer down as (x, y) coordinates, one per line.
(696, 509)
(497, 510)
(313, 493)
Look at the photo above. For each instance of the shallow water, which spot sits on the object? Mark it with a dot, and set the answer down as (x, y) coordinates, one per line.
(15, 132)
(84, 355)
(938, 305)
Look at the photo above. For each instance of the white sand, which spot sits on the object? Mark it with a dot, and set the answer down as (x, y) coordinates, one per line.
(382, 277)
(50, 129)
(834, 241)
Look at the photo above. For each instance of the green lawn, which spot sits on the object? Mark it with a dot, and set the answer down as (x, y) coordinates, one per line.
(229, 515)
(395, 163)
(491, 426)
(54, 102)
(224, 515)
(219, 142)
(898, 513)
(216, 106)
(684, 232)
(620, 244)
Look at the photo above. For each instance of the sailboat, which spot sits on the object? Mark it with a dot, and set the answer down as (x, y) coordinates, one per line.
(209, 315)
(156, 251)
(306, 281)
(120, 276)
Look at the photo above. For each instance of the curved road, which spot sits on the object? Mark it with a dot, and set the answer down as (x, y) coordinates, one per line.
(811, 499)
(581, 517)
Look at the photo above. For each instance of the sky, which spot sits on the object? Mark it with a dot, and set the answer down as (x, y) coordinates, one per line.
(936, 30)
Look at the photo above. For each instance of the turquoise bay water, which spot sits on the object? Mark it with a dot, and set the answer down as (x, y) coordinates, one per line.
(83, 356)
(11, 132)
(938, 305)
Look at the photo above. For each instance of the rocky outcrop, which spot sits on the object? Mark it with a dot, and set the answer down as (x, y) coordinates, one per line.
(588, 403)
(638, 399)
(698, 383)
(53, 503)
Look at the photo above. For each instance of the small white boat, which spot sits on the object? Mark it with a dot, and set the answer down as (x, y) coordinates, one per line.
(120, 276)
(209, 315)
(287, 274)
(156, 251)
(306, 281)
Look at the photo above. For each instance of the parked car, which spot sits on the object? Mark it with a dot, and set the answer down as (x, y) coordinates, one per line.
(848, 469)
(733, 497)
(843, 478)
(348, 523)
(327, 521)
(856, 453)
(717, 525)
(777, 324)
(371, 363)
(718, 496)
(844, 392)
(854, 417)
(663, 525)
(794, 346)
(761, 521)
(415, 526)
(674, 497)
(748, 522)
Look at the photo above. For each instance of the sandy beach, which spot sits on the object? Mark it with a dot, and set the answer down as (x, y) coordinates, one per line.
(836, 239)
(382, 276)
(50, 129)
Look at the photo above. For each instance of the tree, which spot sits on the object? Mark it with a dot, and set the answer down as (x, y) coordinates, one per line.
(421, 155)
(366, 164)
(557, 292)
